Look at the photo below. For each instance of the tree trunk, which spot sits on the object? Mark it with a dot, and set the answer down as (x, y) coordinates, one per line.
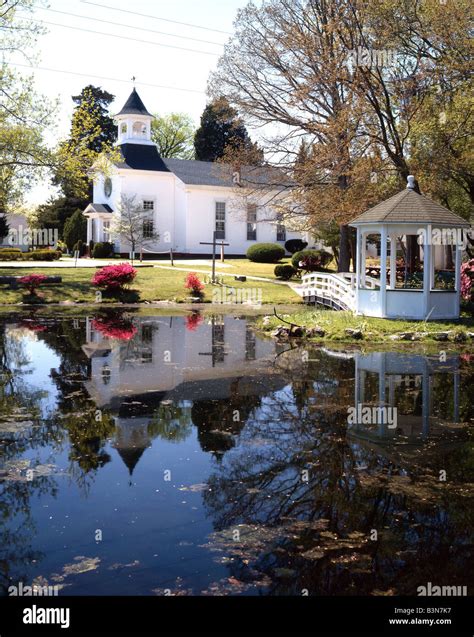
(448, 252)
(344, 249)
(353, 247)
(413, 251)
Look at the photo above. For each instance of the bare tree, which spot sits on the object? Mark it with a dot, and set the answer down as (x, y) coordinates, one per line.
(134, 225)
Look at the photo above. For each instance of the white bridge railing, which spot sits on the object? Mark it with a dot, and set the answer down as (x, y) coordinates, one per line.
(336, 290)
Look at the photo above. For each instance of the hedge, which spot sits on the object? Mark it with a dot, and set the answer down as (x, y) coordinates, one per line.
(265, 253)
(35, 255)
(102, 250)
(314, 260)
(284, 272)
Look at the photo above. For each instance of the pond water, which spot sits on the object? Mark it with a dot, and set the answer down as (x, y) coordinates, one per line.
(160, 455)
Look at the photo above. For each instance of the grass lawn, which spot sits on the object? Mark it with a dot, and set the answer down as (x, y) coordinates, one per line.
(373, 329)
(153, 284)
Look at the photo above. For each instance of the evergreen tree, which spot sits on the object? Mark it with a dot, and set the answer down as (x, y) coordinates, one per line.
(75, 229)
(4, 228)
(221, 130)
(55, 212)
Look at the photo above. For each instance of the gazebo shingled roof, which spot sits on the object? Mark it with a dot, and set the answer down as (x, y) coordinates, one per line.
(408, 207)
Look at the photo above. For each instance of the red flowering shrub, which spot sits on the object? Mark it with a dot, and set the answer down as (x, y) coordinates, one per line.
(194, 284)
(467, 277)
(114, 277)
(193, 321)
(115, 327)
(32, 281)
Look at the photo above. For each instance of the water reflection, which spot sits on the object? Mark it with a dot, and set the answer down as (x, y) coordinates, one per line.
(255, 437)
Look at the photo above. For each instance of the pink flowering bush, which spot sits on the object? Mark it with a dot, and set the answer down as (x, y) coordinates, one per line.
(114, 278)
(32, 282)
(193, 321)
(194, 284)
(467, 277)
(116, 327)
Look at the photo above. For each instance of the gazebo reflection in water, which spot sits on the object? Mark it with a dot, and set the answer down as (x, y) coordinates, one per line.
(407, 383)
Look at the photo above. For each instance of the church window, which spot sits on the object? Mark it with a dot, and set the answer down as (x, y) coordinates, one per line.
(251, 222)
(148, 229)
(220, 219)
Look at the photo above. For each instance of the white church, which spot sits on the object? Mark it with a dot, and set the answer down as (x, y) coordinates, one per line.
(183, 201)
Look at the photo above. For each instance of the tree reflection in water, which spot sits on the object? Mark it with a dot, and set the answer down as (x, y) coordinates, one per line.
(315, 534)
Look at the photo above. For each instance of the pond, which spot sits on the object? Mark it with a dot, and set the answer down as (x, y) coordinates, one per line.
(185, 455)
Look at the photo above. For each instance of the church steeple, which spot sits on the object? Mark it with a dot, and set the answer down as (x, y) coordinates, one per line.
(134, 121)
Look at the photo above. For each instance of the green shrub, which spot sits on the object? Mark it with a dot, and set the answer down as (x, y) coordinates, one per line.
(265, 253)
(102, 250)
(312, 260)
(284, 272)
(10, 250)
(42, 255)
(10, 255)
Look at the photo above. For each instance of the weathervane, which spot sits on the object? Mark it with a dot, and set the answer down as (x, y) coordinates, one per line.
(133, 80)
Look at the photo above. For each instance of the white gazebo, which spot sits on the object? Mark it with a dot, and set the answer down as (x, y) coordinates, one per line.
(428, 298)
(408, 213)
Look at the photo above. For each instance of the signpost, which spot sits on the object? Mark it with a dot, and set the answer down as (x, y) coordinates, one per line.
(213, 244)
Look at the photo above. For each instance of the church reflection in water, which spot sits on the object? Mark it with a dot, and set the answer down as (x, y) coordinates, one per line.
(217, 373)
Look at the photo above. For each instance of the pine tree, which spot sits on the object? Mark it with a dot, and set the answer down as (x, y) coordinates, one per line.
(221, 130)
(75, 229)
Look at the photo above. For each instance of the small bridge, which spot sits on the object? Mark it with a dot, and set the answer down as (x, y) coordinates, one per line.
(334, 290)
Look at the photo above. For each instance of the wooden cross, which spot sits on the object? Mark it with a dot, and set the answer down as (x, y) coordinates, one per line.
(213, 244)
(217, 349)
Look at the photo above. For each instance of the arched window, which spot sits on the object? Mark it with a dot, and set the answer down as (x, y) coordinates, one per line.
(139, 129)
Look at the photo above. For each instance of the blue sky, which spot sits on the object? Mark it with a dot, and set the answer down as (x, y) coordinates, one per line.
(94, 54)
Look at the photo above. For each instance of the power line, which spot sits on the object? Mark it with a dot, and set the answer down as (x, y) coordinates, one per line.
(154, 17)
(102, 77)
(121, 37)
(129, 26)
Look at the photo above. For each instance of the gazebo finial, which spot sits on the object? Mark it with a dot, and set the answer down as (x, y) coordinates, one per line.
(411, 182)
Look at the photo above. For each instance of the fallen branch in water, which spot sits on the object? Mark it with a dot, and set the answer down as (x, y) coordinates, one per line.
(283, 320)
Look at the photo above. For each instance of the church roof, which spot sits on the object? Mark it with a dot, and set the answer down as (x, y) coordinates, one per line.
(141, 157)
(134, 106)
(131, 457)
(408, 206)
(207, 173)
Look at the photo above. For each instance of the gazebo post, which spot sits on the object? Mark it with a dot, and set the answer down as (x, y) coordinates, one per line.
(427, 270)
(457, 271)
(358, 268)
(383, 270)
(363, 256)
